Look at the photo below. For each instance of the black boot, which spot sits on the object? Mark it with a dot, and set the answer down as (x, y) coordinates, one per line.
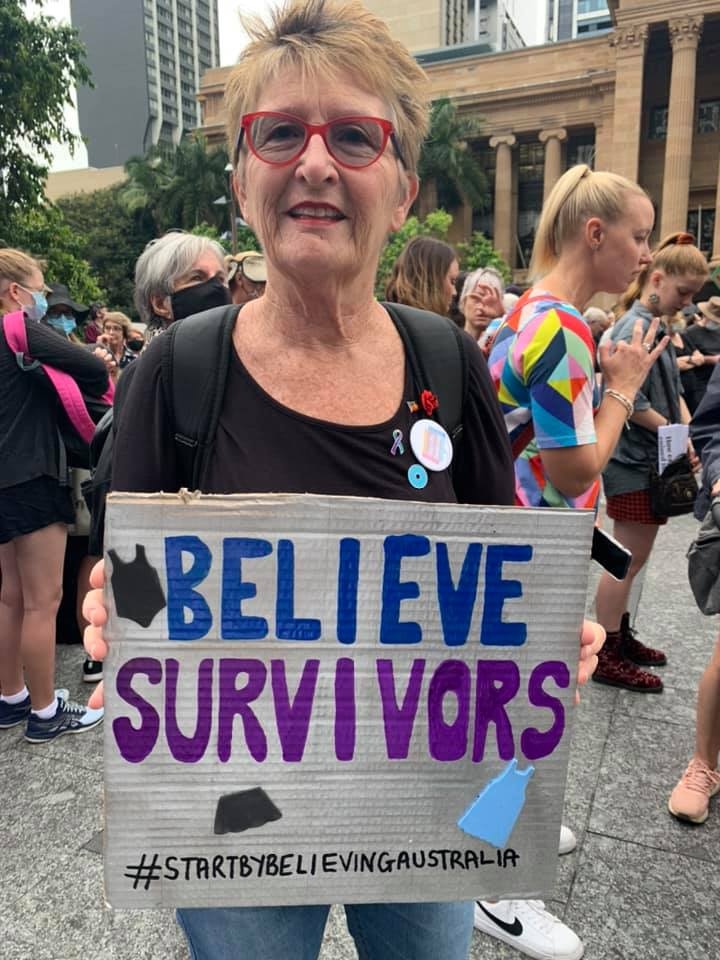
(633, 650)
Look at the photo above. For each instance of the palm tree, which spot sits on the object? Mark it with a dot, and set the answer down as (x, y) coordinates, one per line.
(447, 166)
(140, 194)
(195, 179)
(177, 189)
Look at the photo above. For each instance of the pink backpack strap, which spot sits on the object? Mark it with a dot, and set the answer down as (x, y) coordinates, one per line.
(109, 394)
(67, 390)
(15, 333)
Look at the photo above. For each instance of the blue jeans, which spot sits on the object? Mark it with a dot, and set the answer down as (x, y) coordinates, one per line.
(381, 931)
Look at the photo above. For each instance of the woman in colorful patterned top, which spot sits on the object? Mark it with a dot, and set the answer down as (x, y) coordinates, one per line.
(592, 237)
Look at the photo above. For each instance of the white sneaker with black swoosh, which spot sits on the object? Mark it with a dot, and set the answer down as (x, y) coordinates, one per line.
(528, 927)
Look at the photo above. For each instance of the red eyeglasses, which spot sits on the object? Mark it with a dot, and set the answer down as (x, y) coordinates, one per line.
(280, 138)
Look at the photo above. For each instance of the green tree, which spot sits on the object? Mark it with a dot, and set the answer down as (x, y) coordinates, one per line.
(179, 190)
(44, 233)
(435, 224)
(40, 63)
(111, 239)
(196, 179)
(141, 191)
(448, 169)
(479, 252)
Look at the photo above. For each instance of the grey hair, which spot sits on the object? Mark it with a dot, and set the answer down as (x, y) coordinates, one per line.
(163, 262)
(487, 275)
(596, 315)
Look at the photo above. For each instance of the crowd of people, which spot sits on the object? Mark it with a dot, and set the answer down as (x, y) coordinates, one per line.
(564, 398)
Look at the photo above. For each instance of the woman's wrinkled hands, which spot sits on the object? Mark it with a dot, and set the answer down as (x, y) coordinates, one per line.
(95, 612)
(592, 637)
(107, 358)
(486, 301)
(625, 366)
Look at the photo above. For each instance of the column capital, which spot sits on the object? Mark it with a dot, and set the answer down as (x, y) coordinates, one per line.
(557, 133)
(685, 31)
(509, 139)
(630, 36)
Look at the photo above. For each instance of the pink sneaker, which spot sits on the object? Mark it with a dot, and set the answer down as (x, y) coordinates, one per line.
(691, 797)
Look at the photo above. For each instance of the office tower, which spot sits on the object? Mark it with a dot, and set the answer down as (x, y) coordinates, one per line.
(576, 18)
(147, 58)
(435, 24)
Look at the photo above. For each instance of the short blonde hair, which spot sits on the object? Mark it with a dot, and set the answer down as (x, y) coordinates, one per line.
(320, 39)
(16, 266)
(115, 316)
(579, 194)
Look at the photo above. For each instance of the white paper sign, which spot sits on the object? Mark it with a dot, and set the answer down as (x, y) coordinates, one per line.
(672, 443)
(316, 699)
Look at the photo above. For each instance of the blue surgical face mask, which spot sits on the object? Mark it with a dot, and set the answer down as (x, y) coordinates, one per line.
(38, 308)
(64, 323)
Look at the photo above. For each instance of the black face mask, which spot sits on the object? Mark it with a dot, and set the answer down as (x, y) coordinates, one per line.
(203, 296)
(136, 345)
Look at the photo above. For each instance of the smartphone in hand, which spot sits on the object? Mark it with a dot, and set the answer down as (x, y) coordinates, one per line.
(610, 554)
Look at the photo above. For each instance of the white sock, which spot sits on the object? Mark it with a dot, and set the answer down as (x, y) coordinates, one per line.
(48, 711)
(14, 698)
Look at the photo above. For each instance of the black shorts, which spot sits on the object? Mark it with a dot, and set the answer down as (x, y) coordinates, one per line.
(30, 506)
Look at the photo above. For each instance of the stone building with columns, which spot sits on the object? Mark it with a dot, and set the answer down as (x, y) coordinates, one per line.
(642, 100)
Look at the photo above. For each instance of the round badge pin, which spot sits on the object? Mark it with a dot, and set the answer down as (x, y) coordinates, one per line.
(431, 444)
(417, 476)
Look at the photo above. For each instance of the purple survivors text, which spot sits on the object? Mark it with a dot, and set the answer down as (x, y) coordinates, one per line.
(228, 687)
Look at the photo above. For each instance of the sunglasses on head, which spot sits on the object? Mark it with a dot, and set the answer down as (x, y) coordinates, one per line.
(280, 138)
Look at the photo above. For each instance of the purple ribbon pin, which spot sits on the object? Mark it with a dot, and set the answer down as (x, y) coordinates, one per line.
(398, 446)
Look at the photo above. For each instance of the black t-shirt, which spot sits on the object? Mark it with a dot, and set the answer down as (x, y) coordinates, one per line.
(707, 341)
(262, 446)
(29, 407)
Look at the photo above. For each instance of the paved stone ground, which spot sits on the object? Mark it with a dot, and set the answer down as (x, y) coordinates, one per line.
(640, 885)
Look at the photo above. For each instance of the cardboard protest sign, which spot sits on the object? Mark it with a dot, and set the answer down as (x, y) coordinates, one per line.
(316, 699)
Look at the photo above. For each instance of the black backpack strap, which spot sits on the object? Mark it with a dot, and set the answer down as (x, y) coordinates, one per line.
(437, 359)
(195, 360)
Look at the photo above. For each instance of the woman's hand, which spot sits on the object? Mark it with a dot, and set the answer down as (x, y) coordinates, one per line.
(592, 637)
(625, 366)
(693, 457)
(107, 358)
(696, 358)
(95, 612)
(483, 304)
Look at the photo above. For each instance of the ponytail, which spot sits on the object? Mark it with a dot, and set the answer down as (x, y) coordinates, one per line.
(676, 255)
(579, 194)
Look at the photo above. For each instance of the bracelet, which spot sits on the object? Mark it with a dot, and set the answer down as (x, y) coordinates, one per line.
(625, 401)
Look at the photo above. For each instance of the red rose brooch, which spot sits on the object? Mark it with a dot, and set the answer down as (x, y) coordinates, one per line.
(429, 402)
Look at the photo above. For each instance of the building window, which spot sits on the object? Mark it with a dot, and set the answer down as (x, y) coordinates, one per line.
(594, 26)
(657, 128)
(592, 6)
(701, 224)
(581, 149)
(708, 120)
(531, 169)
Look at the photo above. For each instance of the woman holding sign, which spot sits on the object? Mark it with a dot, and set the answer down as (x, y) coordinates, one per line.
(321, 393)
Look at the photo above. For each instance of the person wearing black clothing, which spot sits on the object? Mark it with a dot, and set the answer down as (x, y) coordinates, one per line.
(35, 508)
(702, 337)
(319, 383)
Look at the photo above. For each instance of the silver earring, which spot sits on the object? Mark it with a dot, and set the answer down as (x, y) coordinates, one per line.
(654, 299)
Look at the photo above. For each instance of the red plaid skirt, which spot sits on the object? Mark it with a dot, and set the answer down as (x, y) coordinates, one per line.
(634, 508)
